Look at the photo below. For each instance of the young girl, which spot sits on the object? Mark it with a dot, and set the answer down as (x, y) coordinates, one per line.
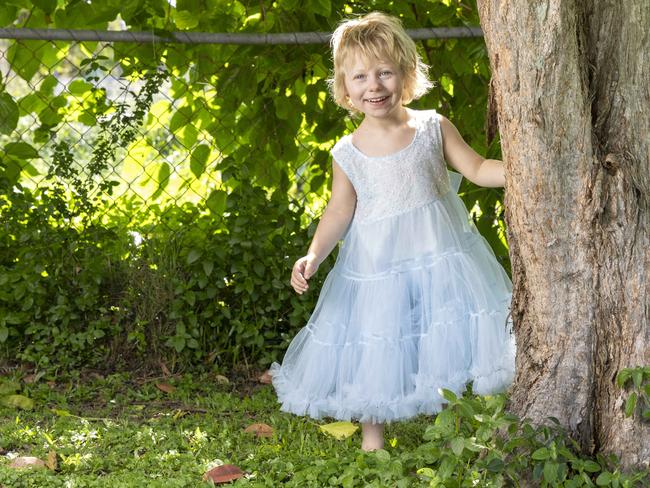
(416, 300)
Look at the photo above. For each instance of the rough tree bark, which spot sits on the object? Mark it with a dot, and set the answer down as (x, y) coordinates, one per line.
(571, 82)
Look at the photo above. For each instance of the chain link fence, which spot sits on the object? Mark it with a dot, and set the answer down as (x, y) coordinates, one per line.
(162, 142)
(84, 88)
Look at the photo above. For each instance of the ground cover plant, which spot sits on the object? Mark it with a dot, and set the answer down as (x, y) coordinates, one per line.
(169, 430)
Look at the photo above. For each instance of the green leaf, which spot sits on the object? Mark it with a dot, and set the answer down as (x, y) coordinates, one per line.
(259, 268)
(322, 7)
(31, 102)
(26, 56)
(541, 454)
(18, 401)
(190, 298)
(208, 266)
(496, 465)
(194, 255)
(4, 334)
(178, 343)
(550, 472)
(630, 404)
(188, 135)
(79, 87)
(458, 446)
(21, 150)
(604, 479)
(7, 15)
(449, 395)
(199, 158)
(447, 467)
(637, 377)
(8, 114)
(592, 466)
(181, 118)
(216, 202)
(47, 6)
(185, 19)
(163, 179)
(48, 85)
(623, 376)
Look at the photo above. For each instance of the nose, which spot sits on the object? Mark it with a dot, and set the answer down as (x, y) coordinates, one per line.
(374, 82)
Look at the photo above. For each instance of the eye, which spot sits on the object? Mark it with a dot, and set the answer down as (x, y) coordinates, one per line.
(385, 73)
(358, 76)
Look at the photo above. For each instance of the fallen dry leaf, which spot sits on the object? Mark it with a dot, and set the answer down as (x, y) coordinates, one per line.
(27, 462)
(339, 430)
(266, 377)
(166, 387)
(260, 430)
(165, 369)
(221, 379)
(32, 378)
(223, 474)
(51, 461)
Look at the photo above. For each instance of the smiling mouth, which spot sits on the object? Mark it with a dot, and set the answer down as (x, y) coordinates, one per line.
(376, 100)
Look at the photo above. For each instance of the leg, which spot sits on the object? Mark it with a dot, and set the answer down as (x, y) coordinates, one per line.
(373, 436)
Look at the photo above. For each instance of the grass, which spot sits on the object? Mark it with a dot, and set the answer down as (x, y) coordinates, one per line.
(120, 431)
(124, 431)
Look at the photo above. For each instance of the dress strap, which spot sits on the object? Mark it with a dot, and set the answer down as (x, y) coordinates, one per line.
(344, 154)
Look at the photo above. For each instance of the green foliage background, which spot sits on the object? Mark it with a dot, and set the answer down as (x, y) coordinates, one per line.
(160, 222)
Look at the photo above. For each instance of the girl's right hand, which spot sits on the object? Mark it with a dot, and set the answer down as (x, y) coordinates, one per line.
(303, 269)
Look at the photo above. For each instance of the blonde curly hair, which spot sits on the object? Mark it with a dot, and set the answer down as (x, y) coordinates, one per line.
(382, 37)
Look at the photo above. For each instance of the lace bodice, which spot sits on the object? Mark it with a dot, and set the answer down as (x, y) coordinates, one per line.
(393, 184)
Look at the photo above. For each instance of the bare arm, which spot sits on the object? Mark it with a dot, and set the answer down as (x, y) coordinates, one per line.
(330, 229)
(474, 167)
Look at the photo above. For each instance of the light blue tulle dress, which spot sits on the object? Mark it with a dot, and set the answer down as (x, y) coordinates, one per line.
(415, 302)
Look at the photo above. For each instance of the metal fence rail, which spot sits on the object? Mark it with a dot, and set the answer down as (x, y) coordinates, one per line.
(217, 38)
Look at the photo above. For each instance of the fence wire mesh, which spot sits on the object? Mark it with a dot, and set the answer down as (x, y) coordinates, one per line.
(154, 134)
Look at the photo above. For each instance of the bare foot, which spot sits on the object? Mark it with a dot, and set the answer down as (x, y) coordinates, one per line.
(372, 436)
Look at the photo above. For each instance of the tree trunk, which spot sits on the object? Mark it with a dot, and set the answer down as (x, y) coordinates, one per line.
(572, 89)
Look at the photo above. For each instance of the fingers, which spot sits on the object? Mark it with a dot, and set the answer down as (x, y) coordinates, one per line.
(298, 281)
(309, 270)
(303, 269)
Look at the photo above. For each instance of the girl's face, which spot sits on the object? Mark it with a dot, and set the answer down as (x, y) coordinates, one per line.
(374, 86)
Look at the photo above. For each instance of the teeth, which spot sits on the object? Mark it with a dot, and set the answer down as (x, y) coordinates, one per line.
(376, 99)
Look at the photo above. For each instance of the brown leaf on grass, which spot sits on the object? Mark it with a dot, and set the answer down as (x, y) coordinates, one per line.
(26, 462)
(166, 387)
(165, 369)
(260, 430)
(51, 461)
(223, 474)
(33, 378)
(266, 377)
